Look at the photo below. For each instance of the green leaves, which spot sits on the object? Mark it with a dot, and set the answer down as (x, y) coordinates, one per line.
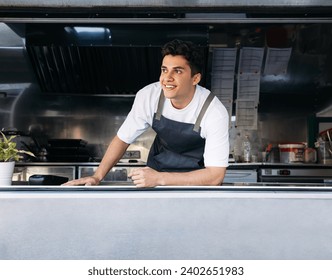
(8, 151)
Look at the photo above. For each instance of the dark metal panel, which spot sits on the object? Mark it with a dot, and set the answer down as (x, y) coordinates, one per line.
(72, 59)
(160, 11)
(162, 3)
(112, 35)
(94, 70)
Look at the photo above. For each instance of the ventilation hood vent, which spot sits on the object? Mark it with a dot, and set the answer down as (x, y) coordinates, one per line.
(101, 59)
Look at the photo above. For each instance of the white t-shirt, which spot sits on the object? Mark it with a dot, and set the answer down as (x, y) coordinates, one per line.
(214, 125)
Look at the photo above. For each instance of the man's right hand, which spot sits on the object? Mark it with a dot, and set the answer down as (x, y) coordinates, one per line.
(85, 181)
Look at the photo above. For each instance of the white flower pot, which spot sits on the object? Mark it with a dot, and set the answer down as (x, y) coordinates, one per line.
(6, 173)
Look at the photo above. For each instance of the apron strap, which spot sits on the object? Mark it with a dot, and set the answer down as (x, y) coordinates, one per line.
(202, 112)
(160, 105)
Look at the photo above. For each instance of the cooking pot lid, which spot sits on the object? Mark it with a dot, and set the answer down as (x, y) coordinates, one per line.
(13, 131)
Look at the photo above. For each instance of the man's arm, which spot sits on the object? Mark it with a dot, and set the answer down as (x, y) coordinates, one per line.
(147, 177)
(113, 154)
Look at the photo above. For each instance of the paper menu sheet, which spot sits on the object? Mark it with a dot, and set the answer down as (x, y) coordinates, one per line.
(276, 61)
(222, 82)
(250, 60)
(246, 113)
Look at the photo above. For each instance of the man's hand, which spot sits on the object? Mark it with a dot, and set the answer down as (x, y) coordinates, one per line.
(85, 181)
(145, 177)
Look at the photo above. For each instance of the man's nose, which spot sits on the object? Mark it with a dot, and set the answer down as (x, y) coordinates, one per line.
(169, 76)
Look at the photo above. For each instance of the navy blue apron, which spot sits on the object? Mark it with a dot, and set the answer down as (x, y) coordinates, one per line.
(178, 146)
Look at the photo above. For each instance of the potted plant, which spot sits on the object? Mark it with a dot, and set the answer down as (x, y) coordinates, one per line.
(8, 155)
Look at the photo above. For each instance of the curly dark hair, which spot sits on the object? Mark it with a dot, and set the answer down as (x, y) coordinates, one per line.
(188, 50)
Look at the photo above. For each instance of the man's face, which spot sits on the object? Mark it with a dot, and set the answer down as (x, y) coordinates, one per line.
(176, 80)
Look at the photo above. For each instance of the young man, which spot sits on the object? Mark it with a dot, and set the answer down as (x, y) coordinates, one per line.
(191, 145)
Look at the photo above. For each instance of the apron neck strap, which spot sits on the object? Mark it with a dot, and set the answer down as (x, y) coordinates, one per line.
(160, 105)
(202, 112)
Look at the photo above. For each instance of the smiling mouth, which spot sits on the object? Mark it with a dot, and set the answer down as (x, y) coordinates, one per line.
(169, 86)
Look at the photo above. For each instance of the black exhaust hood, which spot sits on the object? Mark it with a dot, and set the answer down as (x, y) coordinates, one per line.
(102, 59)
(113, 35)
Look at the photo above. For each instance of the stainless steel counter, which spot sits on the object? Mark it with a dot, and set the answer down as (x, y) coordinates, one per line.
(122, 222)
(125, 163)
(236, 172)
(127, 186)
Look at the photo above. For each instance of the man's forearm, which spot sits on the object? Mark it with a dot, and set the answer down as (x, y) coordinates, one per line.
(113, 154)
(209, 176)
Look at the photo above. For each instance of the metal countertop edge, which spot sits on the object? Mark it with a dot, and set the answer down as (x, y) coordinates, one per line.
(54, 192)
(288, 187)
(230, 164)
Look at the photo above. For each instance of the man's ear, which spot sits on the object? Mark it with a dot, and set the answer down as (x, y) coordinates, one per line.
(197, 78)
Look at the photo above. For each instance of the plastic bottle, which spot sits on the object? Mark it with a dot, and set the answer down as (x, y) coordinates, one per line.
(246, 148)
(238, 148)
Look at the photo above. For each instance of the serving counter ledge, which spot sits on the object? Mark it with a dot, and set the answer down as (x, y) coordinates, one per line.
(128, 187)
(140, 163)
(122, 222)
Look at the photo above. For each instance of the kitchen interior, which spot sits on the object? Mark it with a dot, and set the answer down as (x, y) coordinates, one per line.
(66, 87)
(69, 75)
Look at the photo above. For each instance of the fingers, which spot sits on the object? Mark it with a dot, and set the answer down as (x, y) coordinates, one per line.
(139, 184)
(72, 183)
(136, 172)
(86, 181)
(137, 177)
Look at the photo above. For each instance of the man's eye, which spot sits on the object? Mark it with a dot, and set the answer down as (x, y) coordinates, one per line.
(163, 70)
(178, 71)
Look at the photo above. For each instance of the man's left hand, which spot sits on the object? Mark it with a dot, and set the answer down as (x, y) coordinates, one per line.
(145, 177)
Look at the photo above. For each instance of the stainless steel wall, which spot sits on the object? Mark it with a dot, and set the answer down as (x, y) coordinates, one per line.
(96, 119)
